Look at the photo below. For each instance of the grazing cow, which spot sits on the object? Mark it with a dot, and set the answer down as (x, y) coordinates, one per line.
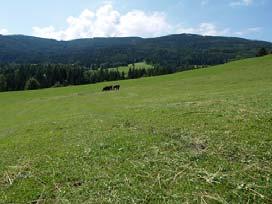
(107, 88)
(116, 87)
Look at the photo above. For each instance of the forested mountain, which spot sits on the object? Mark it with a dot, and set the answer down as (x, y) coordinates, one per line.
(170, 51)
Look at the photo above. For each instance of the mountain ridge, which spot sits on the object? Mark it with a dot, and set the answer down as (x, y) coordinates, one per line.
(136, 37)
(172, 50)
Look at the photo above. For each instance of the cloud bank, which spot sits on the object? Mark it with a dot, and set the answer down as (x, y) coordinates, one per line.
(4, 31)
(249, 31)
(108, 22)
(207, 28)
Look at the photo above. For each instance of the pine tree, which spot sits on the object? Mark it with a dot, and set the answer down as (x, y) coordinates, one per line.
(3, 83)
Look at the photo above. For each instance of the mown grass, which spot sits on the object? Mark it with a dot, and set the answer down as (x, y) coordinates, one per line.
(201, 136)
(139, 65)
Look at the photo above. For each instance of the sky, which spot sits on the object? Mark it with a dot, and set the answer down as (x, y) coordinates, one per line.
(72, 19)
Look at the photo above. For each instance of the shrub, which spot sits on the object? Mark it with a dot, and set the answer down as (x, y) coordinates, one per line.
(32, 84)
(262, 52)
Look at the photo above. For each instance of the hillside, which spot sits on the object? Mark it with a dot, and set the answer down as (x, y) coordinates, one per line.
(170, 51)
(200, 136)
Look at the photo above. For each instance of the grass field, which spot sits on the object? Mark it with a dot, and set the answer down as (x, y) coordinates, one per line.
(138, 65)
(201, 136)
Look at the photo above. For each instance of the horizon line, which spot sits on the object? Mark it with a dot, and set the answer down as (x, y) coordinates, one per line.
(194, 34)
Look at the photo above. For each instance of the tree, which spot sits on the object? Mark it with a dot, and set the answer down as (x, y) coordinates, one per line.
(32, 84)
(262, 52)
(123, 76)
(3, 83)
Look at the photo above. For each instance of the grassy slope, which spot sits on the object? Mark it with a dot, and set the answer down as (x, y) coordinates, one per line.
(196, 136)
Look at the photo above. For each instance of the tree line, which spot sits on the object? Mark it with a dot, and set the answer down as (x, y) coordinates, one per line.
(14, 77)
(262, 52)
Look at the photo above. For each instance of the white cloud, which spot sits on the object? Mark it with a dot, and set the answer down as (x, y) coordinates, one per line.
(138, 23)
(241, 3)
(107, 22)
(208, 29)
(4, 31)
(248, 31)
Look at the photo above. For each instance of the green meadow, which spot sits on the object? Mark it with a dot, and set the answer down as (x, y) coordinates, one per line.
(139, 65)
(201, 136)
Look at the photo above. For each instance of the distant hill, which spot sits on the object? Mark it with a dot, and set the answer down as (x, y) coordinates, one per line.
(171, 51)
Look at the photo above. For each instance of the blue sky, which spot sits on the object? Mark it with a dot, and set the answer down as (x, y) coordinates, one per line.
(70, 19)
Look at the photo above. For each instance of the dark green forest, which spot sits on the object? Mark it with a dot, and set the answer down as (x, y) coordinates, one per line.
(170, 51)
(15, 77)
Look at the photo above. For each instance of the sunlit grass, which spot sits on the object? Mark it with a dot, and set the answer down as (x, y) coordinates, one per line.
(201, 136)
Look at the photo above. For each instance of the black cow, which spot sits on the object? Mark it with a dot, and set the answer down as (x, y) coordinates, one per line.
(116, 87)
(107, 88)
